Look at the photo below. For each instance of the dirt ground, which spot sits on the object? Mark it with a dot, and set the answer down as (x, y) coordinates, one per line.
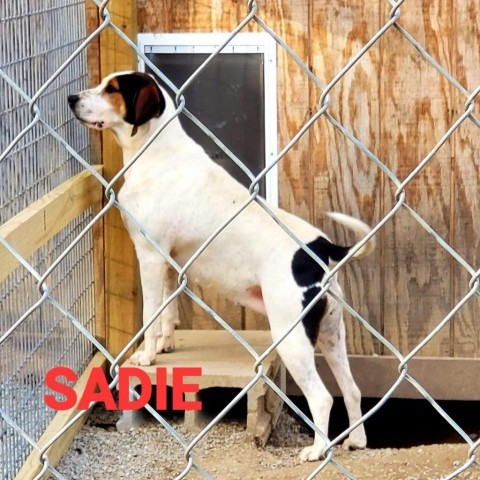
(99, 452)
(425, 463)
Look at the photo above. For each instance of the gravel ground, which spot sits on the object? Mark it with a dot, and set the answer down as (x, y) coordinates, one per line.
(99, 452)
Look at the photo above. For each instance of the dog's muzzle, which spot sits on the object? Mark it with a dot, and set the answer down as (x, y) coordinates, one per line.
(72, 102)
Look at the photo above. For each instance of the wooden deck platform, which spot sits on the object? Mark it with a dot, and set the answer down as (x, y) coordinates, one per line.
(225, 363)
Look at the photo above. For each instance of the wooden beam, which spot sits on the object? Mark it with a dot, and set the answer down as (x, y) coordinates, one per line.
(99, 278)
(443, 378)
(93, 63)
(33, 464)
(122, 302)
(32, 227)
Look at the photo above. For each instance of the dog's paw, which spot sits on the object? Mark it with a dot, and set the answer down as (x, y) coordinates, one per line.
(356, 441)
(311, 454)
(142, 358)
(165, 345)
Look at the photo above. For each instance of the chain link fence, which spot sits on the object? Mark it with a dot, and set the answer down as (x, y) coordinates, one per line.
(38, 318)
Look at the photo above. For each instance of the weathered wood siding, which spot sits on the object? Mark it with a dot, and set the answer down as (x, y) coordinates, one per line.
(399, 106)
(465, 211)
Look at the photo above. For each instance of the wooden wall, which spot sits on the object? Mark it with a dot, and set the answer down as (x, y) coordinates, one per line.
(397, 105)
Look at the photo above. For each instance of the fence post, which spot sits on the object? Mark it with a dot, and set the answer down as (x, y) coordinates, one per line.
(122, 300)
(93, 62)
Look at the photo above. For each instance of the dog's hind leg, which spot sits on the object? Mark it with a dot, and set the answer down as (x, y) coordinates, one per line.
(169, 317)
(332, 344)
(297, 354)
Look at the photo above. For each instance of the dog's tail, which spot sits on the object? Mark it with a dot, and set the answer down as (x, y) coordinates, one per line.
(359, 228)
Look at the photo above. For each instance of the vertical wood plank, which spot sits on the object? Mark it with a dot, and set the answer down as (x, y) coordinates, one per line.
(168, 16)
(93, 61)
(291, 22)
(122, 303)
(344, 179)
(99, 279)
(415, 113)
(466, 176)
(155, 17)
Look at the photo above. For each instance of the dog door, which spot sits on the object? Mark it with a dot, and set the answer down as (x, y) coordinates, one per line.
(234, 96)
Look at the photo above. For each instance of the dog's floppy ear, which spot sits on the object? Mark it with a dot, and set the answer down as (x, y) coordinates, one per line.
(143, 98)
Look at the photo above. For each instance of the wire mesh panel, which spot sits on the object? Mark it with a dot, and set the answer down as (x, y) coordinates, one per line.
(35, 38)
(57, 314)
(45, 339)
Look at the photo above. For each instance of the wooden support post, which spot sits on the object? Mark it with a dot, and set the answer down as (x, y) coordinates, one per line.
(93, 60)
(122, 304)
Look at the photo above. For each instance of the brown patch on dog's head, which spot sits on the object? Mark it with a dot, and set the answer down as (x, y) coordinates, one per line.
(115, 97)
(136, 97)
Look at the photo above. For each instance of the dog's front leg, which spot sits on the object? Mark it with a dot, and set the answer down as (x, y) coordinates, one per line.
(153, 269)
(169, 317)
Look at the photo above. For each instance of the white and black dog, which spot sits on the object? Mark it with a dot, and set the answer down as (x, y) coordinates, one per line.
(181, 196)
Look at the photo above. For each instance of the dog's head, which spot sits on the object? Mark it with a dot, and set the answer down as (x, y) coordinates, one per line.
(127, 97)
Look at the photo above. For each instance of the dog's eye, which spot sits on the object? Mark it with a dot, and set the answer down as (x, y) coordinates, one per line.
(110, 88)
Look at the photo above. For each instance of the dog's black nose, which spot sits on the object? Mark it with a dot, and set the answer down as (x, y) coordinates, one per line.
(72, 100)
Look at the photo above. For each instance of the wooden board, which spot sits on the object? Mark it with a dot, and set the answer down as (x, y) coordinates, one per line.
(32, 227)
(224, 363)
(291, 21)
(93, 62)
(33, 464)
(122, 302)
(99, 278)
(415, 114)
(168, 16)
(345, 179)
(443, 378)
(465, 228)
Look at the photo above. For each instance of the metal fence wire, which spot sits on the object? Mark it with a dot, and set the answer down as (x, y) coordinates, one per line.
(32, 106)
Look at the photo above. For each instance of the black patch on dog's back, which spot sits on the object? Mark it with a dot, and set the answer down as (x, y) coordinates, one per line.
(308, 273)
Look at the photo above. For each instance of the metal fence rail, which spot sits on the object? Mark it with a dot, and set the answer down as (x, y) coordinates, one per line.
(35, 121)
